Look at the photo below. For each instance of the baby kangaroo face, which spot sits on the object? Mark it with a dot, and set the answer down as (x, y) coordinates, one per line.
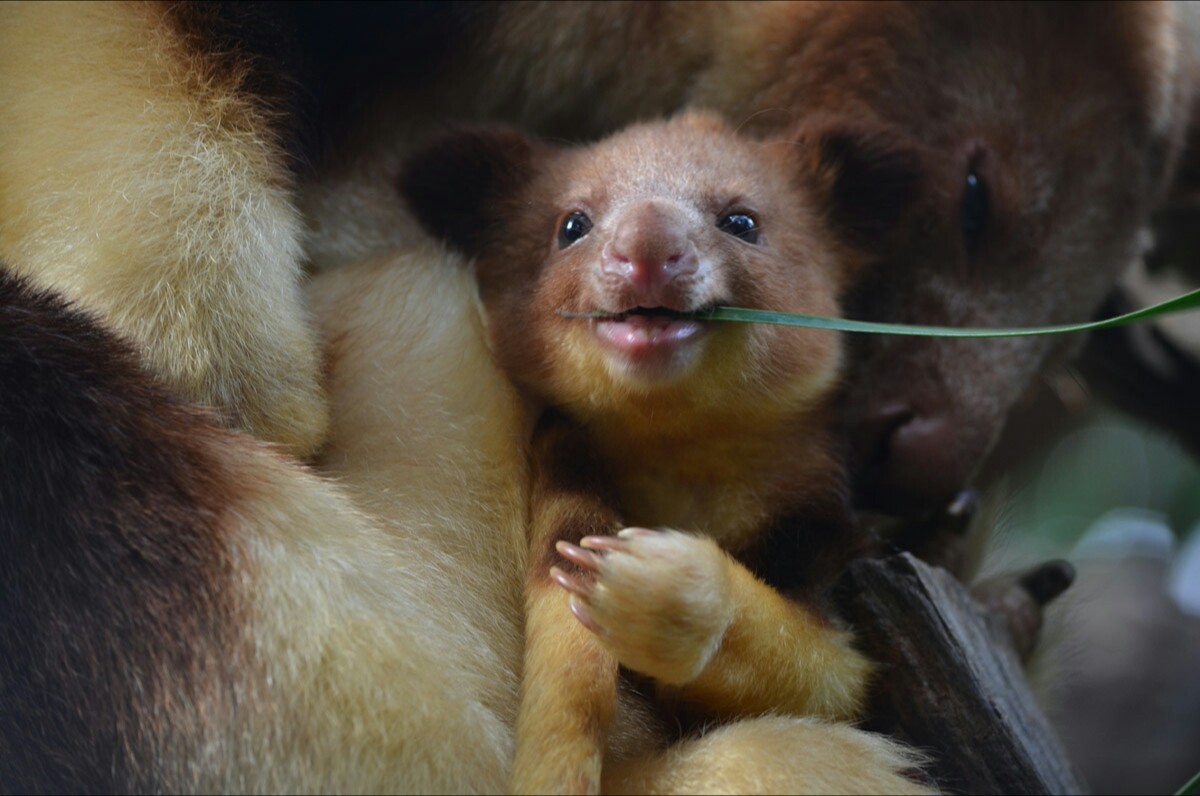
(647, 227)
(667, 221)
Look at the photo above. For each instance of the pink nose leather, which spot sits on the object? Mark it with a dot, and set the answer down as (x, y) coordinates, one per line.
(649, 251)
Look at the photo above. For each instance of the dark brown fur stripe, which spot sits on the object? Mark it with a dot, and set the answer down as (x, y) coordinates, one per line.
(114, 576)
(309, 64)
(571, 497)
(805, 550)
(242, 42)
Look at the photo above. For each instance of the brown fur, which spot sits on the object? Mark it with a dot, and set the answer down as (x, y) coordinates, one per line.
(117, 565)
(1110, 84)
(731, 443)
(187, 611)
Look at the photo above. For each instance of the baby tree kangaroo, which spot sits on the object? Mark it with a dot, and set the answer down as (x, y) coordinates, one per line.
(715, 434)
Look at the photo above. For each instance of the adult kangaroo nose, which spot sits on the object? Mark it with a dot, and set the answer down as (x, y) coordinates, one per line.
(908, 457)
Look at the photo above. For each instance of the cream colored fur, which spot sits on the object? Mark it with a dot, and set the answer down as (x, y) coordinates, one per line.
(677, 608)
(415, 688)
(378, 652)
(356, 677)
(140, 182)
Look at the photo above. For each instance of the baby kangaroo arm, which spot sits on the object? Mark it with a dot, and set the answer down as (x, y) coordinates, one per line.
(780, 655)
(569, 687)
(677, 608)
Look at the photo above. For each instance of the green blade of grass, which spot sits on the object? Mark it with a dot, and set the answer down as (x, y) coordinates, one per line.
(1192, 788)
(1188, 301)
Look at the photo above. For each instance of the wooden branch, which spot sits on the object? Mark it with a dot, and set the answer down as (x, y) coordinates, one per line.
(950, 683)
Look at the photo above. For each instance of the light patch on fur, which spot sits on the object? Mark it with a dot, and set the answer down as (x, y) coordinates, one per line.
(428, 438)
(374, 666)
(1163, 56)
(774, 754)
(382, 648)
(171, 217)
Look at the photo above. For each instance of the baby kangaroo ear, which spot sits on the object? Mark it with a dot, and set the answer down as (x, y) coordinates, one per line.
(457, 186)
(868, 177)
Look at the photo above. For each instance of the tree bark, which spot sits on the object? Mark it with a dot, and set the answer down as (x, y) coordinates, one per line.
(950, 683)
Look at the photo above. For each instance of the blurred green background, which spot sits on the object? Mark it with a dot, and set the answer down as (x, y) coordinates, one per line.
(1120, 668)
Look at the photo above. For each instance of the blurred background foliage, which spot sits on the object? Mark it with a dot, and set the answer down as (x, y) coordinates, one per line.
(1112, 485)
(1120, 660)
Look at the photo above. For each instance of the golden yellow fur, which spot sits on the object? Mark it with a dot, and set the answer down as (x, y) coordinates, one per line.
(773, 754)
(567, 746)
(618, 442)
(354, 653)
(145, 185)
(563, 725)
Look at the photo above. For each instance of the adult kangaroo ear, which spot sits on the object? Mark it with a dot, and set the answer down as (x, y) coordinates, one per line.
(869, 176)
(457, 185)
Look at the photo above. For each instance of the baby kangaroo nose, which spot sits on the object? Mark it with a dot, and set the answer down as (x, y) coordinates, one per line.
(650, 250)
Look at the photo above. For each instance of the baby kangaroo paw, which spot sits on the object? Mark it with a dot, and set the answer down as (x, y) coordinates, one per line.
(659, 601)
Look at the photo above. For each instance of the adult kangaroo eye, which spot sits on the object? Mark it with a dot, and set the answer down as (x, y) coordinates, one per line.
(574, 227)
(975, 211)
(739, 225)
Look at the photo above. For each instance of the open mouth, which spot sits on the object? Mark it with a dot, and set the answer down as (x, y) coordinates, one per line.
(649, 312)
(647, 331)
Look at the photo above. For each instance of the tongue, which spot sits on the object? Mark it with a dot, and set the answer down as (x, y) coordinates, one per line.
(635, 329)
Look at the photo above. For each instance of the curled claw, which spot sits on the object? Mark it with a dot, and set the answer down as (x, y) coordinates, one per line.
(584, 614)
(580, 591)
(961, 511)
(631, 533)
(571, 583)
(584, 559)
(609, 544)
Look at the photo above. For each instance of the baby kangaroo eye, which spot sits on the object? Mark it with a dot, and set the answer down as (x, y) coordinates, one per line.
(574, 227)
(739, 225)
